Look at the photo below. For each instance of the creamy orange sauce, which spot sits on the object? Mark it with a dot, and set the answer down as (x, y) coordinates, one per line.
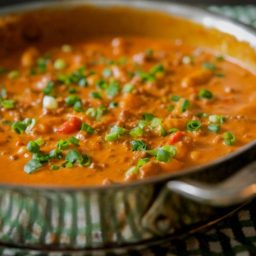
(105, 82)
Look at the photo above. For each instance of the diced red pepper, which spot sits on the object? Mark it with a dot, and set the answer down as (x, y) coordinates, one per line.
(176, 137)
(72, 125)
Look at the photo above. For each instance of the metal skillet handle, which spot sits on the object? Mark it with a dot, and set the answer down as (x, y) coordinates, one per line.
(236, 189)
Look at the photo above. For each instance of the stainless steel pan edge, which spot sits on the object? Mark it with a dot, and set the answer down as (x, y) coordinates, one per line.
(98, 217)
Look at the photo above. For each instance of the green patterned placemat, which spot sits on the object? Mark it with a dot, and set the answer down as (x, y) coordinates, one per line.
(246, 14)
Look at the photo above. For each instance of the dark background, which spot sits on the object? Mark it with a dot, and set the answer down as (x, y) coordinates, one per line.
(201, 2)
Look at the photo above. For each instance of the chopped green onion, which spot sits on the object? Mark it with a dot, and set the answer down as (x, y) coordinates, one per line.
(32, 166)
(8, 104)
(214, 128)
(59, 64)
(155, 123)
(77, 77)
(115, 133)
(229, 138)
(102, 84)
(210, 66)
(3, 93)
(113, 89)
(136, 132)
(185, 105)
(173, 130)
(142, 162)
(74, 141)
(132, 171)
(202, 115)
(135, 169)
(96, 95)
(128, 88)
(163, 131)
(78, 106)
(41, 157)
(42, 64)
(205, 94)
(14, 74)
(56, 154)
(170, 108)
(72, 90)
(159, 68)
(107, 72)
(148, 117)
(193, 125)
(21, 126)
(175, 98)
(74, 157)
(54, 167)
(96, 113)
(33, 147)
(138, 145)
(87, 128)
(63, 144)
(49, 88)
(71, 100)
(113, 104)
(217, 119)
(165, 153)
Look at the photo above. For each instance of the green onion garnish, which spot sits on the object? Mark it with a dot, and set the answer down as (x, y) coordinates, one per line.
(165, 153)
(21, 126)
(136, 132)
(107, 72)
(14, 74)
(128, 88)
(229, 138)
(216, 119)
(96, 95)
(135, 169)
(193, 125)
(148, 117)
(32, 166)
(87, 128)
(138, 145)
(205, 94)
(185, 105)
(8, 104)
(71, 100)
(115, 133)
(49, 88)
(59, 64)
(210, 66)
(175, 98)
(33, 147)
(74, 157)
(113, 89)
(214, 128)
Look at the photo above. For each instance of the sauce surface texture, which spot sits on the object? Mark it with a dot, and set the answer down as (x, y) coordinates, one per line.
(110, 110)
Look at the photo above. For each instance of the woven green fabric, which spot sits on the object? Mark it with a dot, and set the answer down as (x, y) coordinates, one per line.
(246, 14)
